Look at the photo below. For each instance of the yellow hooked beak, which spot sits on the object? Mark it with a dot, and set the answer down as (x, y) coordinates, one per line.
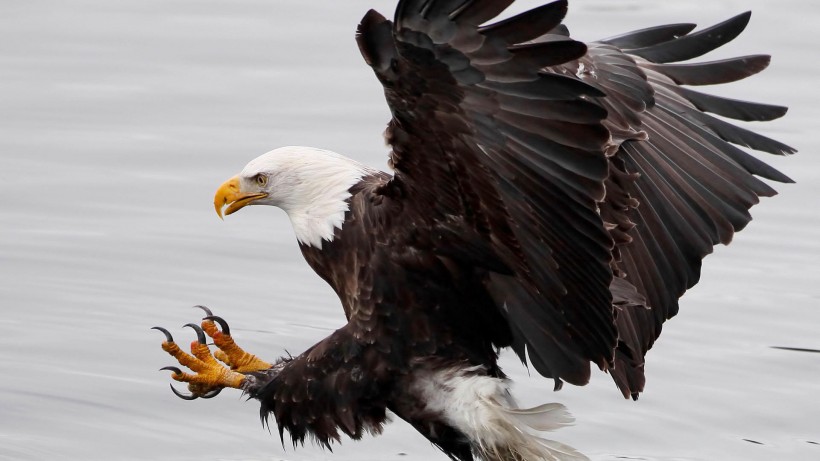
(229, 194)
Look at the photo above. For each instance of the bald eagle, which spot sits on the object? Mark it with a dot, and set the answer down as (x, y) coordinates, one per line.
(548, 196)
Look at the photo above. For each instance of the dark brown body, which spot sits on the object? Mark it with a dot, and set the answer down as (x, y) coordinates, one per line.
(425, 310)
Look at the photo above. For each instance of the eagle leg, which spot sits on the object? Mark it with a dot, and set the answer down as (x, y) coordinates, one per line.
(228, 352)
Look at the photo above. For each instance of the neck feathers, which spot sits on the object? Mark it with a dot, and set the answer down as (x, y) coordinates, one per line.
(320, 196)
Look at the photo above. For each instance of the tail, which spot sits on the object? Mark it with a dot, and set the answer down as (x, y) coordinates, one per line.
(481, 408)
(512, 434)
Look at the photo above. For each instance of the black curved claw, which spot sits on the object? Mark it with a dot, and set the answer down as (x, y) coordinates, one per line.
(200, 335)
(211, 394)
(222, 323)
(207, 311)
(176, 370)
(167, 333)
(181, 395)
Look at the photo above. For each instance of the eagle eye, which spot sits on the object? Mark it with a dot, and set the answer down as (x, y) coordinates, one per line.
(261, 180)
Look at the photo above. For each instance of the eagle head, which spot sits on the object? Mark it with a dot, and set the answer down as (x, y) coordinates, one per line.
(311, 185)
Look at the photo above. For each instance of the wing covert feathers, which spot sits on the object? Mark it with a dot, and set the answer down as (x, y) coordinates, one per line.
(595, 176)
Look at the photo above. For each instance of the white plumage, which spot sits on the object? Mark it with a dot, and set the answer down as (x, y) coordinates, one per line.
(311, 185)
(482, 408)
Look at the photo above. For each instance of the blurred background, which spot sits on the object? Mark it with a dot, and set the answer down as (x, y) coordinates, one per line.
(120, 118)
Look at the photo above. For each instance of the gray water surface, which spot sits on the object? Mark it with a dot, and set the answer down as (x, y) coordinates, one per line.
(120, 118)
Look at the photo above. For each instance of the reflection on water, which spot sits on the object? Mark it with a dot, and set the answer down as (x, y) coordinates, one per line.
(120, 118)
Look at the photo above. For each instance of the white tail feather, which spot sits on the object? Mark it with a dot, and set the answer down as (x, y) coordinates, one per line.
(543, 418)
(514, 438)
(482, 409)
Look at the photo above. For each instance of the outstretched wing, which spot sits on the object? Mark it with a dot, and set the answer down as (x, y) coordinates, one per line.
(482, 135)
(591, 171)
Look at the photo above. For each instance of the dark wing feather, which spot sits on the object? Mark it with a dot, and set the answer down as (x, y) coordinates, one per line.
(732, 108)
(602, 207)
(479, 130)
(649, 36)
(680, 185)
(475, 12)
(712, 73)
(696, 44)
(527, 26)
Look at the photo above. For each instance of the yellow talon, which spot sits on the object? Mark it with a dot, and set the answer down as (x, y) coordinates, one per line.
(209, 373)
(229, 352)
(210, 376)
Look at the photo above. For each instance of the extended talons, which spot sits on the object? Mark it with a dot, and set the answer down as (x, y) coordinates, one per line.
(212, 394)
(175, 370)
(167, 334)
(200, 334)
(177, 374)
(222, 323)
(207, 311)
(209, 377)
(183, 396)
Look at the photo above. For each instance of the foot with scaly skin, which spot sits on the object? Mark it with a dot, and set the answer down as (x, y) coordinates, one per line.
(210, 376)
